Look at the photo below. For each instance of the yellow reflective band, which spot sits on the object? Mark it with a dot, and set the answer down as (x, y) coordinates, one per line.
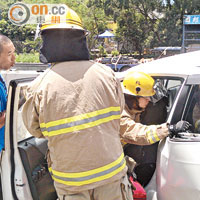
(70, 21)
(156, 137)
(90, 172)
(80, 127)
(91, 180)
(79, 117)
(80, 122)
(152, 135)
(91, 176)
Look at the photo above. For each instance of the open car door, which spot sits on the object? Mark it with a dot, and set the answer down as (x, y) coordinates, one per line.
(24, 172)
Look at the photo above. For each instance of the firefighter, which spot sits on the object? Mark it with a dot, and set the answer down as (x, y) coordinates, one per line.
(76, 105)
(139, 88)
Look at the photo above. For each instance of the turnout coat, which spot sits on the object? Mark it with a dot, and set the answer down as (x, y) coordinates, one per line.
(76, 105)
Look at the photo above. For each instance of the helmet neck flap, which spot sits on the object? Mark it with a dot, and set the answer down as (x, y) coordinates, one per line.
(61, 45)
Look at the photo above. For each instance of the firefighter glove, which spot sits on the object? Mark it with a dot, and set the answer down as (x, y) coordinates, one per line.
(180, 126)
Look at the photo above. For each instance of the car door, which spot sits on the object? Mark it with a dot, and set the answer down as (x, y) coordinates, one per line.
(24, 171)
(178, 157)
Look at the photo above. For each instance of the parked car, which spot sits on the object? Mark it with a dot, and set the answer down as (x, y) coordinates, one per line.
(104, 60)
(119, 63)
(169, 170)
(124, 60)
(174, 163)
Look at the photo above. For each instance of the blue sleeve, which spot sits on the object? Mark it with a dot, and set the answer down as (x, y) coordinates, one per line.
(1, 105)
(2, 131)
(3, 97)
(3, 102)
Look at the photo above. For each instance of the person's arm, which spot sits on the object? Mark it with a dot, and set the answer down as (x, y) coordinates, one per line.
(120, 94)
(137, 133)
(30, 115)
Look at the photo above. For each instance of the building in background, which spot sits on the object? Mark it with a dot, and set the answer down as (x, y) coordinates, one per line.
(191, 33)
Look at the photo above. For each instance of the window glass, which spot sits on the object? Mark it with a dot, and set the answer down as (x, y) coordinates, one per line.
(173, 83)
(173, 86)
(22, 132)
(192, 111)
(161, 103)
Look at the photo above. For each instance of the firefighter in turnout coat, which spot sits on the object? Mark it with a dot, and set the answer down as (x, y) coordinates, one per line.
(139, 88)
(76, 105)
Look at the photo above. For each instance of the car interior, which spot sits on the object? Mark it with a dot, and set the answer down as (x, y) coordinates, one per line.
(193, 109)
(33, 150)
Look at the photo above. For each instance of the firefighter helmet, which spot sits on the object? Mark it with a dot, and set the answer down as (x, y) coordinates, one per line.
(70, 20)
(138, 84)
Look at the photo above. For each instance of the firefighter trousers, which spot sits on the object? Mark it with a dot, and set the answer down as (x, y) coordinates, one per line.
(118, 190)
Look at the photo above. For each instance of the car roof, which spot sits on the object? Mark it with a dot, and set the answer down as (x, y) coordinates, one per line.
(178, 65)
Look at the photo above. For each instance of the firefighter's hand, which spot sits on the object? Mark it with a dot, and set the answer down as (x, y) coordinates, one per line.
(2, 118)
(180, 126)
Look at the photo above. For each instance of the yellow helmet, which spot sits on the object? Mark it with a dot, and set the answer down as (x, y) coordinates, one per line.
(138, 84)
(69, 21)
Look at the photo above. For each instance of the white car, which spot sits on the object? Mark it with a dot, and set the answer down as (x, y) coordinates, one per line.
(173, 175)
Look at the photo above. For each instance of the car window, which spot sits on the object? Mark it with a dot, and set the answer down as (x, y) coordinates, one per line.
(172, 83)
(22, 132)
(192, 110)
(172, 86)
(106, 60)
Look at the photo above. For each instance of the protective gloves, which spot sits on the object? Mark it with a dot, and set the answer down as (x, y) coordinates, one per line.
(180, 126)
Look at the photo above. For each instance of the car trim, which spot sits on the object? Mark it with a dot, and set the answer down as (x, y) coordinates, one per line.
(174, 107)
(193, 79)
(13, 85)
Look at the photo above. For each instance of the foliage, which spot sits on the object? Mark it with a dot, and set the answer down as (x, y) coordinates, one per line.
(115, 53)
(102, 51)
(132, 31)
(28, 58)
(170, 27)
(22, 36)
(142, 24)
(94, 19)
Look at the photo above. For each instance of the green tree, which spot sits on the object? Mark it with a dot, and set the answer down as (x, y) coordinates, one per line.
(141, 23)
(170, 26)
(137, 22)
(20, 35)
(93, 17)
(146, 24)
(129, 35)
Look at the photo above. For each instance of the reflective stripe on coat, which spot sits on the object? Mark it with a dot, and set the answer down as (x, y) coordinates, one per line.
(133, 132)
